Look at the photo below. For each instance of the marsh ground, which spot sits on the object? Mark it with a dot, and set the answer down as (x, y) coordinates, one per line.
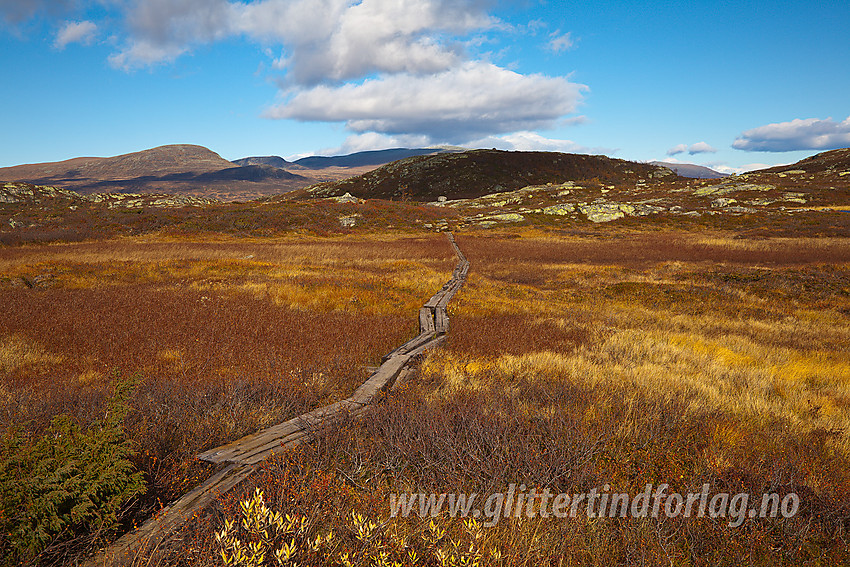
(617, 356)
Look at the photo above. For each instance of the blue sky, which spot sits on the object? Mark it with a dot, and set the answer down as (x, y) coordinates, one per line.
(732, 85)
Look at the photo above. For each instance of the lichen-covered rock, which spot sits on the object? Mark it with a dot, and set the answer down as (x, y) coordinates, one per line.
(794, 197)
(349, 220)
(739, 210)
(761, 202)
(347, 198)
(559, 209)
(730, 187)
(723, 202)
(13, 192)
(602, 212)
(507, 217)
(642, 209)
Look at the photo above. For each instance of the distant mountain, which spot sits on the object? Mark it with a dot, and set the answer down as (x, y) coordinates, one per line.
(479, 172)
(181, 168)
(691, 170)
(373, 157)
(274, 161)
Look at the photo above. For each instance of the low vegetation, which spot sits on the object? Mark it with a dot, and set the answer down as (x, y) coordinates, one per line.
(227, 337)
(706, 351)
(578, 363)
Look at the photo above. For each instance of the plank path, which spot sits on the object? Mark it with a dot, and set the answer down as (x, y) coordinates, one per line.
(239, 458)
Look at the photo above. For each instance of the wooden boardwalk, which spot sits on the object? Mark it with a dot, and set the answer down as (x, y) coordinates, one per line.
(239, 458)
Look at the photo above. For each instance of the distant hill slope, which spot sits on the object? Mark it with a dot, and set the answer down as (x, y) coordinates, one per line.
(833, 161)
(479, 172)
(180, 168)
(360, 159)
(274, 161)
(691, 170)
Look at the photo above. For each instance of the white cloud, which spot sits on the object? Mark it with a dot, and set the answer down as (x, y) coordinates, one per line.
(472, 99)
(701, 148)
(374, 141)
(722, 168)
(75, 32)
(560, 42)
(693, 149)
(387, 69)
(16, 11)
(162, 30)
(526, 141)
(144, 53)
(323, 40)
(808, 134)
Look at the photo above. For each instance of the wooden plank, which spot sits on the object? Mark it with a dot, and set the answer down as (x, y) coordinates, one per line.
(411, 344)
(380, 380)
(430, 344)
(426, 320)
(441, 320)
(224, 452)
(159, 527)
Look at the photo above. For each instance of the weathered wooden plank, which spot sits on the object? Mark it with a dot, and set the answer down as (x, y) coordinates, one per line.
(426, 320)
(411, 344)
(223, 453)
(380, 379)
(441, 320)
(430, 344)
(166, 522)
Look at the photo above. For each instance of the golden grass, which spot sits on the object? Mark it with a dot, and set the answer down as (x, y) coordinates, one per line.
(19, 354)
(663, 328)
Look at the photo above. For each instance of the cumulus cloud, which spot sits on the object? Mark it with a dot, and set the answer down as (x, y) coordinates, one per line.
(701, 148)
(527, 141)
(323, 40)
(162, 30)
(17, 11)
(75, 32)
(808, 134)
(559, 42)
(374, 141)
(723, 168)
(472, 99)
(693, 149)
(384, 68)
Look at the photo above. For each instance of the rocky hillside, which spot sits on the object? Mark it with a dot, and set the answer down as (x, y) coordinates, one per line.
(175, 169)
(479, 172)
(834, 163)
(274, 161)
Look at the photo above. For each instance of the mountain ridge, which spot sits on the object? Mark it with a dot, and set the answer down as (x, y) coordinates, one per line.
(174, 169)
